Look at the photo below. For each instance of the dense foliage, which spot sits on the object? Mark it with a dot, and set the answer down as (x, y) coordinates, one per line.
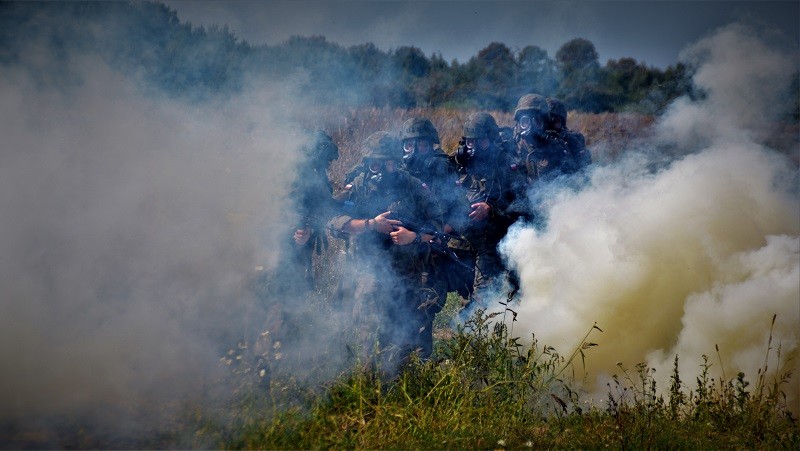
(197, 63)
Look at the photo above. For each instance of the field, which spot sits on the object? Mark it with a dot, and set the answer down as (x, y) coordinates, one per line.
(349, 128)
(482, 389)
(483, 392)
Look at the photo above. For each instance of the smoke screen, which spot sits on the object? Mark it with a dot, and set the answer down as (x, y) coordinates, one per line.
(131, 226)
(683, 246)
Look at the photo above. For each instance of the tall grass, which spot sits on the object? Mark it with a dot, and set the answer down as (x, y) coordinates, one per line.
(482, 390)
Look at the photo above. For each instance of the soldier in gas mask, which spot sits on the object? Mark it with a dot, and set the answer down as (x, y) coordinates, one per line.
(281, 290)
(544, 155)
(493, 183)
(312, 194)
(556, 124)
(453, 270)
(387, 261)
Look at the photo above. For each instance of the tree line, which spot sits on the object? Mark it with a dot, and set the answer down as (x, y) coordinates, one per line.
(198, 63)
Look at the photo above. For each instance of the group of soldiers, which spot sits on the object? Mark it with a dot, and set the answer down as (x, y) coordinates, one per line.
(419, 222)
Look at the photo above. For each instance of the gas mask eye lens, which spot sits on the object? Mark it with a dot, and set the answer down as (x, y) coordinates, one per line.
(423, 145)
(524, 122)
(409, 144)
(470, 143)
(375, 166)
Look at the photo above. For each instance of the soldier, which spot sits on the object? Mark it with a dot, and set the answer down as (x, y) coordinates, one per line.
(507, 140)
(556, 123)
(492, 181)
(293, 279)
(314, 204)
(454, 269)
(387, 259)
(545, 155)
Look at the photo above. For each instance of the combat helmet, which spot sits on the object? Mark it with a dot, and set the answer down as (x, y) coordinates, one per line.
(318, 147)
(383, 146)
(534, 103)
(481, 125)
(420, 127)
(324, 149)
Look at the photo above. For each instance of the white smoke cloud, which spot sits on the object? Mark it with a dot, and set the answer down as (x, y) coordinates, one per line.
(676, 260)
(131, 227)
(746, 83)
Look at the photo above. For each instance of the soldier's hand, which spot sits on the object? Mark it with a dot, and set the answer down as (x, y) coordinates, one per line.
(301, 236)
(384, 224)
(402, 236)
(480, 210)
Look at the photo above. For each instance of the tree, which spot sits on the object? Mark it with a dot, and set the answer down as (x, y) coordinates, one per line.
(577, 54)
(439, 83)
(411, 61)
(581, 78)
(494, 68)
(411, 68)
(628, 81)
(372, 73)
(536, 72)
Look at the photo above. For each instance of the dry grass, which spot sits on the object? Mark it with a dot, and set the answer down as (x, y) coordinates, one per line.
(608, 132)
(608, 135)
(484, 393)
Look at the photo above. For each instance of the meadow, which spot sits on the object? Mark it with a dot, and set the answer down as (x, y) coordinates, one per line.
(485, 387)
(482, 388)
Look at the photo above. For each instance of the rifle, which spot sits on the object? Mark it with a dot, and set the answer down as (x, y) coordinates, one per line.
(425, 229)
(438, 247)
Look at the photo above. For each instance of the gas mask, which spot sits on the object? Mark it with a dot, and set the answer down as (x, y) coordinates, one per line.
(382, 173)
(529, 125)
(473, 149)
(416, 150)
(419, 145)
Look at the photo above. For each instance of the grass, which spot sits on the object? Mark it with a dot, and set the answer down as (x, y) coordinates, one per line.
(482, 390)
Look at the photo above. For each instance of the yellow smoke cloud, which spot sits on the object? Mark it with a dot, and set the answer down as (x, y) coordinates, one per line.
(703, 253)
(698, 254)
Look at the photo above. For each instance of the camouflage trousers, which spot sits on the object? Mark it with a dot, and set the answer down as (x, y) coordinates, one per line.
(392, 314)
(491, 273)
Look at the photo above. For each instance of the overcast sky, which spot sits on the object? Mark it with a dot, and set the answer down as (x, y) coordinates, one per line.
(653, 32)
